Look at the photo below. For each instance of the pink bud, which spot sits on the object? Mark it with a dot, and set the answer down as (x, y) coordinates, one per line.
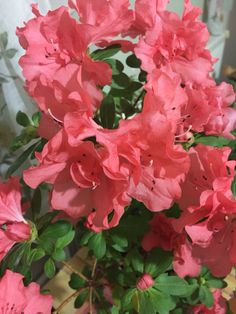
(145, 282)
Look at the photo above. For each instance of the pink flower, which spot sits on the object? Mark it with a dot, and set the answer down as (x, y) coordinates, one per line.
(79, 177)
(219, 306)
(163, 235)
(106, 18)
(13, 228)
(16, 298)
(172, 40)
(145, 282)
(210, 169)
(59, 73)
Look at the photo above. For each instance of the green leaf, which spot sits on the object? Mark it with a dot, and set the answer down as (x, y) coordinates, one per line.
(76, 282)
(206, 296)
(36, 202)
(36, 119)
(142, 76)
(215, 141)
(20, 160)
(116, 65)
(127, 298)
(4, 39)
(173, 285)
(35, 255)
(10, 53)
(136, 261)
(146, 305)
(97, 244)
(59, 255)
(49, 268)
(233, 186)
(158, 261)
(133, 62)
(107, 112)
(216, 283)
(126, 107)
(80, 300)
(121, 241)
(85, 237)
(115, 310)
(57, 230)
(50, 235)
(120, 81)
(65, 240)
(161, 302)
(108, 52)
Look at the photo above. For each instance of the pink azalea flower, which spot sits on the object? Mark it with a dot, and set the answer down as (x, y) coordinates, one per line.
(163, 235)
(80, 180)
(210, 169)
(59, 73)
(16, 298)
(169, 39)
(13, 228)
(107, 18)
(219, 306)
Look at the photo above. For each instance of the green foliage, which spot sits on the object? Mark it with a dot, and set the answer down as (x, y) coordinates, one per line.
(49, 268)
(158, 262)
(107, 112)
(103, 54)
(172, 285)
(97, 243)
(76, 282)
(133, 62)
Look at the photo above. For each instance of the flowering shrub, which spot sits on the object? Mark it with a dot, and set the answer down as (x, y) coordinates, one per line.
(138, 169)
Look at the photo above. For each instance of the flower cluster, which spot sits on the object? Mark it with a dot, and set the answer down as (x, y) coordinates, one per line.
(94, 171)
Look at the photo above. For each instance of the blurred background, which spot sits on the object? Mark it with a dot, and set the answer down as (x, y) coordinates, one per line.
(218, 14)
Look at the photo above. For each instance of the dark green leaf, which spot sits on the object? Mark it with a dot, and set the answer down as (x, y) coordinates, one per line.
(10, 53)
(206, 296)
(107, 112)
(172, 285)
(57, 230)
(126, 107)
(116, 65)
(133, 62)
(108, 52)
(36, 202)
(146, 305)
(80, 300)
(158, 261)
(97, 244)
(120, 81)
(20, 160)
(142, 76)
(76, 282)
(49, 268)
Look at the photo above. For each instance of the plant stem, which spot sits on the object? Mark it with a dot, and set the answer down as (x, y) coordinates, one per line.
(139, 97)
(67, 300)
(75, 271)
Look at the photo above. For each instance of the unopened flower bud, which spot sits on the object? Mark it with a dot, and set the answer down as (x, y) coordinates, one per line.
(145, 282)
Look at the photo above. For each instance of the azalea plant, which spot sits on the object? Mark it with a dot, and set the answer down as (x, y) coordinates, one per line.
(133, 160)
